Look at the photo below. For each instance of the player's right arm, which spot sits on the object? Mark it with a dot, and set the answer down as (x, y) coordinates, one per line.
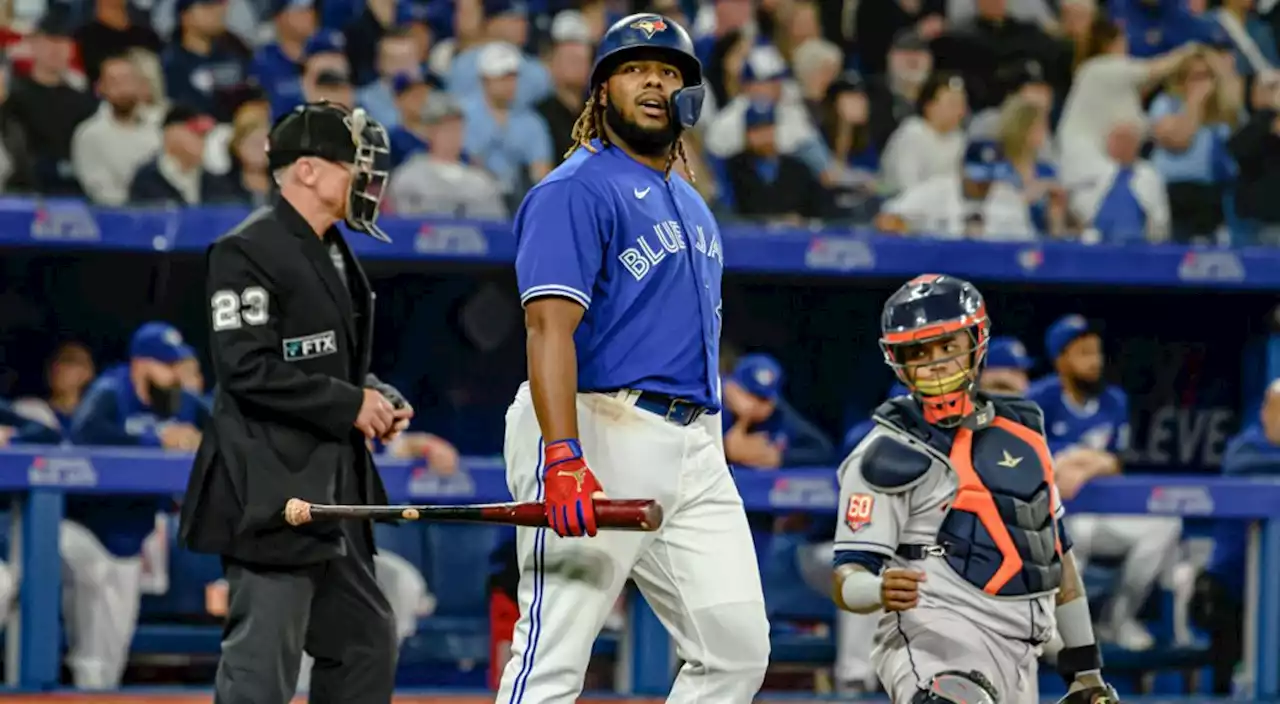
(561, 232)
(248, 360)
(875, 489)
(550, 322)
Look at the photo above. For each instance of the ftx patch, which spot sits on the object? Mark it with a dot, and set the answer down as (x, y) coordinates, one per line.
(310, 346)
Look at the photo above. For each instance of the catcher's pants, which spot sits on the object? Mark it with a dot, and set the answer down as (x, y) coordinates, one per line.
(404, 588)
(100, 598)
(912, 653)
(698, 572)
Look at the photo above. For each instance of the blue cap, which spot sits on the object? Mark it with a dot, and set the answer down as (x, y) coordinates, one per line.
(1062, 333)
(404, 81)
(325, 43)
(1007, 353)
(494, 8)
(761, 114)
(412, 12)
(161, 342)
(759, 374)
(764, 63)
(183, 5)
(278, 6)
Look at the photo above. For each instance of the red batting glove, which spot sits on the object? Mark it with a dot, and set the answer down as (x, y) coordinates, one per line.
(569, 489)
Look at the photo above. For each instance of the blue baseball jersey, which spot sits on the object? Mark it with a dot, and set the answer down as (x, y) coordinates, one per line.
(279, 76)
(642, 253)
(984, 163)
(1100, 424)
(112, 414)
(206, 82)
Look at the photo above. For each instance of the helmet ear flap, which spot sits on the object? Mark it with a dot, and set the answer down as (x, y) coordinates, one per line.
(686, 105)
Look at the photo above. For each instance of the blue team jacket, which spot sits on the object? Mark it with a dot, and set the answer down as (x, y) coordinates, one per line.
(112, 414)
(1247, 454)
(806, 446)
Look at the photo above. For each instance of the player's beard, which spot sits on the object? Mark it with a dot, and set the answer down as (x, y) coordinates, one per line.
(642, 141)
(1089, 387)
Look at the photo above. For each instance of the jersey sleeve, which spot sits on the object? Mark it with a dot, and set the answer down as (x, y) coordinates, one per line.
(561, 232)
(869, 520)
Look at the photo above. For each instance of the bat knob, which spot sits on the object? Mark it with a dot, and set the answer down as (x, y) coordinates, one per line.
(297, 512)
(652, 517)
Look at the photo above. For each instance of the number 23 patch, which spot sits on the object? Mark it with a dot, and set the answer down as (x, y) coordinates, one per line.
(857, 515)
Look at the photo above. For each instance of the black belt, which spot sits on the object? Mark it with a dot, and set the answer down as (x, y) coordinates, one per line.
(680, 411)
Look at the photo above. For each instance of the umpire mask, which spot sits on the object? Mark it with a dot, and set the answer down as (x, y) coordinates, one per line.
(369, 180)
(333, 133)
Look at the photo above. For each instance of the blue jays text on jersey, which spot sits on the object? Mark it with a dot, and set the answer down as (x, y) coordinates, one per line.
(642, 253)
(112, 414)
(1102, 423)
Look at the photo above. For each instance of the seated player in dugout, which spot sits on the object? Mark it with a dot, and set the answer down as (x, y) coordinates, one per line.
(761, 430)
(45, 420)
(1006, 371)
(951, 523)
(1087, 426)
(138, 404)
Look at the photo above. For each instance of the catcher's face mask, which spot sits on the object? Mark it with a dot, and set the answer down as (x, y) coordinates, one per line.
(370, 174)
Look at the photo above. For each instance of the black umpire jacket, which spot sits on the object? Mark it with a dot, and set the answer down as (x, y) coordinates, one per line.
(291, 351)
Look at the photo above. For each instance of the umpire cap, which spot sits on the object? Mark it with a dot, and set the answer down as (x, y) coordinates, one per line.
(334, 133)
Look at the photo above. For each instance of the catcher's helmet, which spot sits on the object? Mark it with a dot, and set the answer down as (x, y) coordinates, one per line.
(930, 307)
(334, 133)
(657, 35)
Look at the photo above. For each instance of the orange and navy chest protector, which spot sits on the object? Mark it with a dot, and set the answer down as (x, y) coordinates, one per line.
(999, 532)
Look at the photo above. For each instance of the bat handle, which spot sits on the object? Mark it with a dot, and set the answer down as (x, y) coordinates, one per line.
(297, 512)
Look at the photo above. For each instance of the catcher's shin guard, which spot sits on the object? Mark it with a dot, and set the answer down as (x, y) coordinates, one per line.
(1105, 694)
(956, 687)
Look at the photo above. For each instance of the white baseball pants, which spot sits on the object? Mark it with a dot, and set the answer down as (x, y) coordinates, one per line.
(698, 572)
(100, 598)
(1147, 544)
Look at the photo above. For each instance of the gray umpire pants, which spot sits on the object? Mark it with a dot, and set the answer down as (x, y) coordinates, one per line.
(335, 611)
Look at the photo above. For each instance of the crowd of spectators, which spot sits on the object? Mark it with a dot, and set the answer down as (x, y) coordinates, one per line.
(1092, 120)
(1128, 120)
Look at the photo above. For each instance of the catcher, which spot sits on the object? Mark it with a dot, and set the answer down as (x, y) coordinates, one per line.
(952, 523)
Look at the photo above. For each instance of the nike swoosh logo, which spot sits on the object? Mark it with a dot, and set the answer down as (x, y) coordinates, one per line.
(639, 193)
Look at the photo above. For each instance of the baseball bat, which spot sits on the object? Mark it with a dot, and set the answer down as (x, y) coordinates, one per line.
(611, 514)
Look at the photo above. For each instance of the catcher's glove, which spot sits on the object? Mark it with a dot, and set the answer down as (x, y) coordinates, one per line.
(1105, 694)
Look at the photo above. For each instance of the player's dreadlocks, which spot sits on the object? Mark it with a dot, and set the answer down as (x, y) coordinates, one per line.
(589, 126)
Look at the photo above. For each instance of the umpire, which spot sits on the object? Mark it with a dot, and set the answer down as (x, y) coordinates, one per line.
(291, 317)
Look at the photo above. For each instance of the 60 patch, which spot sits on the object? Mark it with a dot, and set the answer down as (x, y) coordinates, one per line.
(857, 515)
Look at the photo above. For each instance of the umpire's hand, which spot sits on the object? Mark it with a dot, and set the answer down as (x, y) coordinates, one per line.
(403, 414)
(377, 416)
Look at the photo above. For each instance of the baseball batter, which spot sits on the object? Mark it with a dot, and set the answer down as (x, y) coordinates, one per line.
(619, 264)
(952, 523)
